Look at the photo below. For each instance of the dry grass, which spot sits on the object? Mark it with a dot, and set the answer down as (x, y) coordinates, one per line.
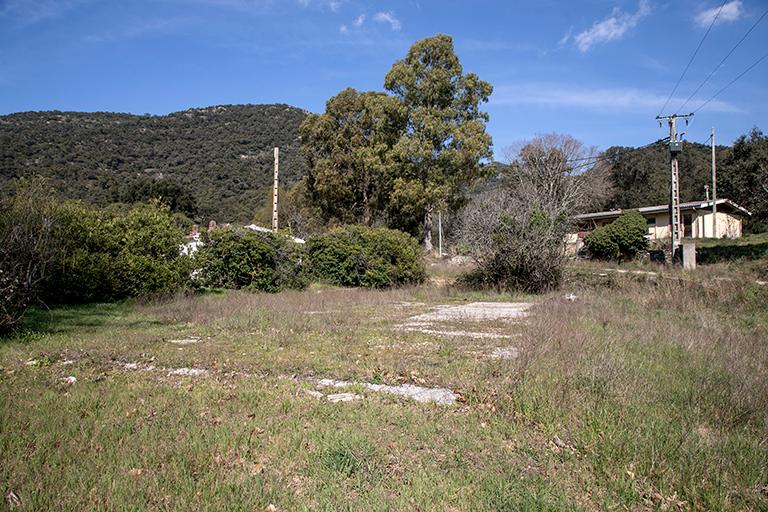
(643, 393)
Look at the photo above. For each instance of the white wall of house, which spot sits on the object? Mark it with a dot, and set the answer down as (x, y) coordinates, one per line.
(659, 230)
(702, 226)
(728, 225)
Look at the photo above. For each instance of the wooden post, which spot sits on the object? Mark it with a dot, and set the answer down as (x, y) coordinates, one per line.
(274, 190)
(714, 188)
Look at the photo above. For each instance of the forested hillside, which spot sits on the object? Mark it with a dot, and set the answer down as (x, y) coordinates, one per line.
(640, 176)
(215, 162)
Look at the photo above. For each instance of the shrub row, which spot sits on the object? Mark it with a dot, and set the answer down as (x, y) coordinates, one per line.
(363, 256)
(243, 259)
(346, 256)
(72, 253)
(115, 253)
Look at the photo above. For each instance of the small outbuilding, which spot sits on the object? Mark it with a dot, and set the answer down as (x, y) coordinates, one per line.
(698, 220)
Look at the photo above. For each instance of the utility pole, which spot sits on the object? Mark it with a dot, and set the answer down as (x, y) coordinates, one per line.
(274, 190)
(676, 231)
(714, 188)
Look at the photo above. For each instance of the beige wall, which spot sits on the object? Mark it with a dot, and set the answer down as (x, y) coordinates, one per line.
(661, 230)
(728, 226)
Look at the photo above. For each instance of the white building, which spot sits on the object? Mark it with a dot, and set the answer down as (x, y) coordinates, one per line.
(698, 221)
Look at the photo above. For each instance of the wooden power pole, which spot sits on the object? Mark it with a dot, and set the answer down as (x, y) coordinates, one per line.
(676, 230)
(714, 187)
(274, 190)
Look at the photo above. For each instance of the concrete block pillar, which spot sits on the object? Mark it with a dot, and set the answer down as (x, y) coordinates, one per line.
(689, 256)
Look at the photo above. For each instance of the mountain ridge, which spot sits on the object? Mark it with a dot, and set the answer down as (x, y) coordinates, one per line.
(220, 155)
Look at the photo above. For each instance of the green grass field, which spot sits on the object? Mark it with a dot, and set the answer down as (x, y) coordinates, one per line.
(642, 394)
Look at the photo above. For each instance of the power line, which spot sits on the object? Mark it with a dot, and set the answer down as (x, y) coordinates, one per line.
(758, 61)
(604, 158)
(600, 156)
(592, 160)
(722, 61)
(674, 89)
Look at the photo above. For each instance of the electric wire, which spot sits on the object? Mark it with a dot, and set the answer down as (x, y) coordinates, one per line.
(674, 89)
(758, 61)
(602, 157)
(722, 61)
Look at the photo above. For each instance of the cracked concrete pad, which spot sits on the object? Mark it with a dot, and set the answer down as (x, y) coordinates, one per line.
(188, 372)
(458, 334)
(476, 311)
(440, 396)
(135, 366)
(187, 341)
(343, 397)
(504, 353)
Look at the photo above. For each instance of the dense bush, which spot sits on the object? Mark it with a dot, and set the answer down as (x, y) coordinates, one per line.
(516, 232)
(601, 244)
(115, 253)
(239, 258)
(517, 249)
(621, 239)
(363, 256)
(27, 246)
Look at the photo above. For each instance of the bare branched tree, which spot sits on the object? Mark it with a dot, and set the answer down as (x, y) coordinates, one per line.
(26, 247)
(517, 233)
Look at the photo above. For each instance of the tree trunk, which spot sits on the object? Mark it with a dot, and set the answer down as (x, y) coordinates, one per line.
(366, 209)
(428, 230)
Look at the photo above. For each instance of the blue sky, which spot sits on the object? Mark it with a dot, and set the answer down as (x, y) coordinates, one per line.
(599, 70)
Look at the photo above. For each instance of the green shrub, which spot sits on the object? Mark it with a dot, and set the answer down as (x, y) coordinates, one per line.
(621, 239)
(27, 222)
(601, 244)
(369, 257)
(105, 255)
(239, 258)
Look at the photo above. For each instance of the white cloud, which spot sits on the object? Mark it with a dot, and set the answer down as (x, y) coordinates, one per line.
(139, 29)
(731, 11)
(32, 11)
(387, 17)
(333, 5)
(619, 99)
(356, 24)
(611, 28)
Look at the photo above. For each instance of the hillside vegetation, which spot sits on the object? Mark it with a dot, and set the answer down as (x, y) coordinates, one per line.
(216, 161)
(640, 176)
